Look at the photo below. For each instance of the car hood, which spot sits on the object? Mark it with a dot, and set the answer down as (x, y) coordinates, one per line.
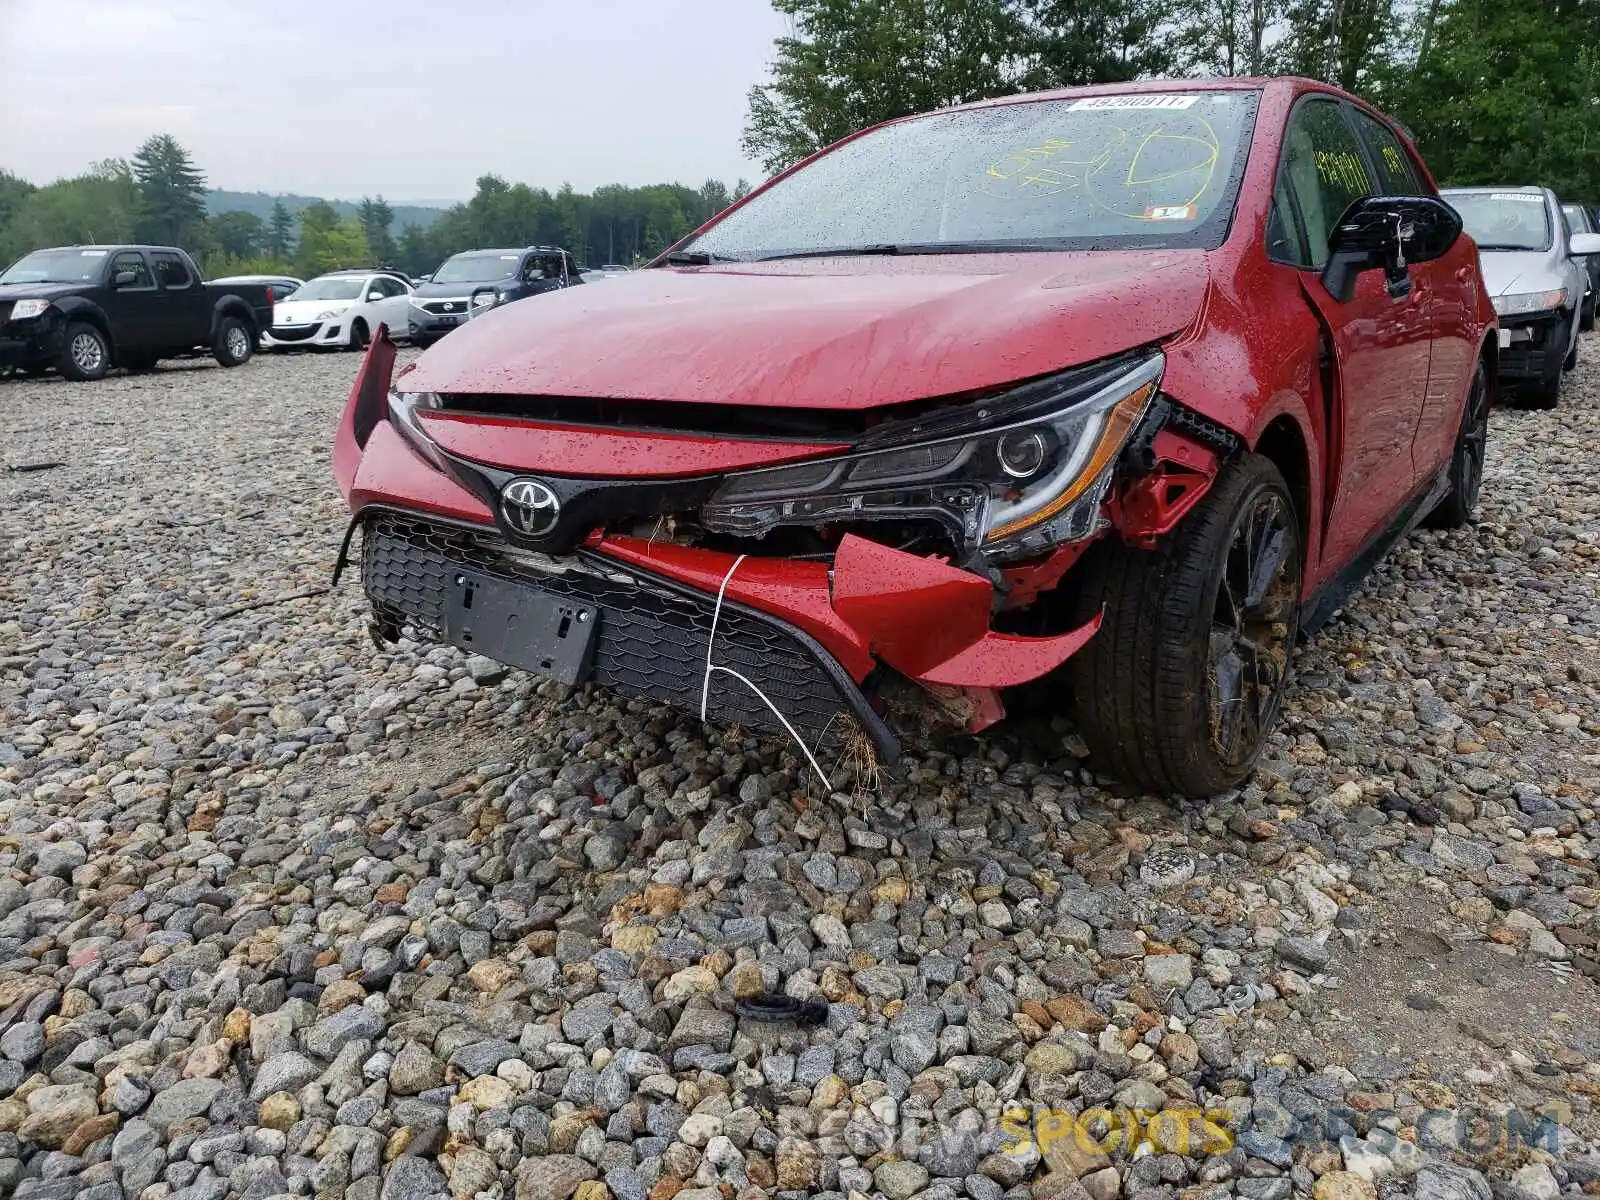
(1506, 272)
(836, 333)
(38, 291)
(298, 312)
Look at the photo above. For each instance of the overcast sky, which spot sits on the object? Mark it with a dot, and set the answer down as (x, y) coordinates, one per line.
(411, 98)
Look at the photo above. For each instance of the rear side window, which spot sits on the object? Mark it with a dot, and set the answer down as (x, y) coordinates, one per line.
(1324, 170)
(1397, 175)
(170, 269)
(132, 260)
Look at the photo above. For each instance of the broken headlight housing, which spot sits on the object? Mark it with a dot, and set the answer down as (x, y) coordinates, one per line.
(1009, 476)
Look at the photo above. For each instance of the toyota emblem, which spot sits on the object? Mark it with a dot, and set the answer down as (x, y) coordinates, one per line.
(530, 507)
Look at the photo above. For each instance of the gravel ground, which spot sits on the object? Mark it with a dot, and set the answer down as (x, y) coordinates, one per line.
(280, 914)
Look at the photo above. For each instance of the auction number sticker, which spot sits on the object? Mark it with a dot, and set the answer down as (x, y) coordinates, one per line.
(1523, 196)
(1170, 212)
(94, 253)
(1160, 101)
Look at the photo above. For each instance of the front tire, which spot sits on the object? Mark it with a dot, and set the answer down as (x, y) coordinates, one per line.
(359, 337)
(1460, 503)
(1179, 689)
(85, 353)
(233, 345)
(1586, 320)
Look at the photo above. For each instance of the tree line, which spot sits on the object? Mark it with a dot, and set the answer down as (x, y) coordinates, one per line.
(159, 195)
(1493, 92)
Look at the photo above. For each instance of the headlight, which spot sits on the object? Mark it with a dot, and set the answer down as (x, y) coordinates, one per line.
(403, 409)
(22, 310)
(1027, 470)
(485, 299)
(327, 315)
(1530, 302)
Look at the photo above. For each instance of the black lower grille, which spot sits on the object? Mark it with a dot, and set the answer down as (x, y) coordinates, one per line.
(293, 333)
(650, 638)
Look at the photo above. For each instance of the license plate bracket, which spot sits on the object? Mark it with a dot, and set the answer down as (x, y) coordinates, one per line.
(521, 626)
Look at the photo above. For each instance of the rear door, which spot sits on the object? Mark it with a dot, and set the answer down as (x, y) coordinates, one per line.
(1446, 296)
(184, 312)
(1378, 347)
(133, 308)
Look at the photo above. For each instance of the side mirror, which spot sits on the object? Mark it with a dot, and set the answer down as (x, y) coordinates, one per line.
(374, 295)
(1584, 244)
(1389, 232)
(124, 279)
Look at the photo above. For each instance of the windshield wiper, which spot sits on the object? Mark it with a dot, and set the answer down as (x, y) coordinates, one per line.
(696, 258)
(1502, 246)
(848, 252)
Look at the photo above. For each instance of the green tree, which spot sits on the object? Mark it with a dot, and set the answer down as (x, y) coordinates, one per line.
(328, 243)
(416, 253)
(1223, 37)
(1506, 94)
(239, 234)
(101, 205)
(280, 232)
(1341, 41)
(376, 218)
(1070, 43)
(853, 63)
(171, 192)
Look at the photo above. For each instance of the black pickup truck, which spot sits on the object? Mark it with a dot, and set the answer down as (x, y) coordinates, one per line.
(86, 309)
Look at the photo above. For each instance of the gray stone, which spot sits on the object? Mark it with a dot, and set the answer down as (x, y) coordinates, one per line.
(182, 1100)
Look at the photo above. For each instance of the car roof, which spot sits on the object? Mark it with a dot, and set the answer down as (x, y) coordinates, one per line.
(511, 250)
(110, 246)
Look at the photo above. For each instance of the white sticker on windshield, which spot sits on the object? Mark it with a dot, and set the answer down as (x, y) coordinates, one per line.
(94, 253)
(508, 258)
(1159, 101)
(1523, 196)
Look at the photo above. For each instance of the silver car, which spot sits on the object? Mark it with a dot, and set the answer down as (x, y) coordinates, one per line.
(1535, 274)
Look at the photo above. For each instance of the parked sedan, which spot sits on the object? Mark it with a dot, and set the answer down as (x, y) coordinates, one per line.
(1123, 389)
(1579, 221)
(342, 308)
(1537, 284)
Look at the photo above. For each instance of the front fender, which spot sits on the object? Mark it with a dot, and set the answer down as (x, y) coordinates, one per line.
(79, 308)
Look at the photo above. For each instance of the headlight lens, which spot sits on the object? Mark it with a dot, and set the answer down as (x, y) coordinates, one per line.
(485, 299)
(1530, 302)
(1033, 478)
(22, 310)
(403, 409)
(327, 314)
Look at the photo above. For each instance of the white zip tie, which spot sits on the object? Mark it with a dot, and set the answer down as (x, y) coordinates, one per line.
(705, 687)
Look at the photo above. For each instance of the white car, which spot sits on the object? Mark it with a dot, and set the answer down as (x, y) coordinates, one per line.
(341, 308)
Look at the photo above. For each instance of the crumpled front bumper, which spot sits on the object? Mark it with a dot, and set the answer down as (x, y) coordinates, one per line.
(812, 635)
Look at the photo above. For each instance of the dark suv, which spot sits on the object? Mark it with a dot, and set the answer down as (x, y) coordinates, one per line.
(476, 280)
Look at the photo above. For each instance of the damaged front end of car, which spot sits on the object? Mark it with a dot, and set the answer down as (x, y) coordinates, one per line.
(814, 575)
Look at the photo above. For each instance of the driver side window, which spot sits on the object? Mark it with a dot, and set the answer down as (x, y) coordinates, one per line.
(1322, 172)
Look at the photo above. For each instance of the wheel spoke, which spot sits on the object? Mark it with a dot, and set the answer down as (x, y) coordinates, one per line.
(1227, 692)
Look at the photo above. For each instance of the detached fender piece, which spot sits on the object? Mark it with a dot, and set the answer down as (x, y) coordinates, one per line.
(363, 410)
(930, 620)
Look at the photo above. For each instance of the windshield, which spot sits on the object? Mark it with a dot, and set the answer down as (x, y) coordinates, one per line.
(1503, 220)
(1152, 169)
(1577, 219)
(58, 266)
(477, 268)
(330, 288)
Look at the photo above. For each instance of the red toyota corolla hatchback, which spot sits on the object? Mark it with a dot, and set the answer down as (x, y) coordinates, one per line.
(1125, 386)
